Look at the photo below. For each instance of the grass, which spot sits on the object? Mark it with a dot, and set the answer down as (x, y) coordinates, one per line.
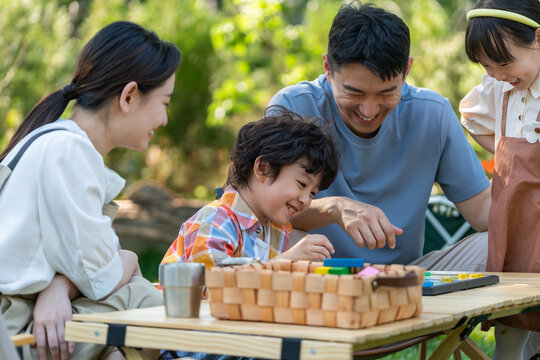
(485, 340)
(149, 260)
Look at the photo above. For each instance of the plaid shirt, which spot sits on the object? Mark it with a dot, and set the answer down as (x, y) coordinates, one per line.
(224, 228)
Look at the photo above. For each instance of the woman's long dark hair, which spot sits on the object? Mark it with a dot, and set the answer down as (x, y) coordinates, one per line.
(119, 53)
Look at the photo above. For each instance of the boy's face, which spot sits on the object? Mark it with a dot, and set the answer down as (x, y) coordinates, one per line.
(289, 194)
(363, 99)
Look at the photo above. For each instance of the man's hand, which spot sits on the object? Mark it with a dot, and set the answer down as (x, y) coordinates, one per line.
(52, 310)
(310, 247)
(366, 224)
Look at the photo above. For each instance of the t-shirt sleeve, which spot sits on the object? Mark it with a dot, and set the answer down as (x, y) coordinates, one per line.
(459, 173)
(478, 108)
(283, 99)
(78, 239)
(305, 99)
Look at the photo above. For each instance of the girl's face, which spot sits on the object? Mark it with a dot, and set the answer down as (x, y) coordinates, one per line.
(521, 72)
(147, 114)
(279, 199)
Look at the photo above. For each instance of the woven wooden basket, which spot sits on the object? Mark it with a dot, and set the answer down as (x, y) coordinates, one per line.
(290, 292)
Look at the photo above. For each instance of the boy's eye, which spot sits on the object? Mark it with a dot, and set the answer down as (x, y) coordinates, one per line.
(302, 185)
(313, 193)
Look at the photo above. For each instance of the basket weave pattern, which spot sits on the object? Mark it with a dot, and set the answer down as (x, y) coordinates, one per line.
(290, 292)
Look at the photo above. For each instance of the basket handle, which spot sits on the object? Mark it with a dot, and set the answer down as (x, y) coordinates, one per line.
(410, 279)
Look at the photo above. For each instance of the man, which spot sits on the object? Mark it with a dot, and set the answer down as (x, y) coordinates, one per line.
(395, 140)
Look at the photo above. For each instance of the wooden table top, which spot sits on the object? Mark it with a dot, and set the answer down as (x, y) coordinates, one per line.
(440, 312)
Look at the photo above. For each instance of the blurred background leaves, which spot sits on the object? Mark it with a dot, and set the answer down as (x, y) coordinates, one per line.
(236, 55)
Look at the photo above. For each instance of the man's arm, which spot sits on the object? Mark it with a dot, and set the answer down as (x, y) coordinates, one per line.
(366, 224)
(476, 209)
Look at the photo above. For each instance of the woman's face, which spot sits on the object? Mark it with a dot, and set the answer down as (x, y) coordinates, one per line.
(147, 113)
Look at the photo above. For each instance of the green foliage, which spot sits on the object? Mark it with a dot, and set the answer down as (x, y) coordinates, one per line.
(187, 152)
(260, 52)
(236, 55)
(35, 57)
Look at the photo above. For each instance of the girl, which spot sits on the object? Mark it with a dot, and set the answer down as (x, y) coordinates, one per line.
(502, 114)
(56, 242)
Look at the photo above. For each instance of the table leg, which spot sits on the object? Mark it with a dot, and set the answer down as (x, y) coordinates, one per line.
(134, 354)
(472, 350)
(422, 350)
(449, 344)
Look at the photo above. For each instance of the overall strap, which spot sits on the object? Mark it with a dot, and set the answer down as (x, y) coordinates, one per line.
(504, 111)
(17, 157)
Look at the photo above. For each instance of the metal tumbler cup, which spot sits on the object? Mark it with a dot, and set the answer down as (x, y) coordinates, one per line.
(182, 285)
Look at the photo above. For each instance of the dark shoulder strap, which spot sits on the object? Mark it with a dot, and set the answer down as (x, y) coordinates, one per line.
(17, 157)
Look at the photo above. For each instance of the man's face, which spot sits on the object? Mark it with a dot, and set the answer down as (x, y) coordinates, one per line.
(363, 99)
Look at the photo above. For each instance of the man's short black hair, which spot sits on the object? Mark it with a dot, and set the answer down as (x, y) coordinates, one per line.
(370, 36)
(282, 137)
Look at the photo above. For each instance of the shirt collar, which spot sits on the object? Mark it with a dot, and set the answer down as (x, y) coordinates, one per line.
(246, 217)
(535, 87)
(506, 86)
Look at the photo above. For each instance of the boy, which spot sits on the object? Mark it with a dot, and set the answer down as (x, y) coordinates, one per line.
(278, 165)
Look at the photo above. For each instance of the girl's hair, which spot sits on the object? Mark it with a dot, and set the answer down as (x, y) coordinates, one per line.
(119, 53)
(282, 137)
(486, 36)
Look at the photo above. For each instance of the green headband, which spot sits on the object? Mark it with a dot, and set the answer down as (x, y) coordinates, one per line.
(503, 15)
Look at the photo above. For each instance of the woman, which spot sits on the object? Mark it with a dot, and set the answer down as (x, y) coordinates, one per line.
(57, 246)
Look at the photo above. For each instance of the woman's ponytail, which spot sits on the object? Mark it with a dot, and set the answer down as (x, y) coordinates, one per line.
(46, 111)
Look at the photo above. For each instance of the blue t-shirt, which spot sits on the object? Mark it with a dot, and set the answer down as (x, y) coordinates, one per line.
(420, 142)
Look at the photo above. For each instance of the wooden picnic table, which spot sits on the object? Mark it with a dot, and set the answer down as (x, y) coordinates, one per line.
(457, 314)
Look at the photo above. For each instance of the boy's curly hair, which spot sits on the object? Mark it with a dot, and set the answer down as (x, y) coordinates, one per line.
(282, 137)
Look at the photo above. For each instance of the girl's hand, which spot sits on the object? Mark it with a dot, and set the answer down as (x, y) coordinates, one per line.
(310, 247)
(51, 311)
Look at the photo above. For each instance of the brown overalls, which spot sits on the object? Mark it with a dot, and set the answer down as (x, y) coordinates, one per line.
(514, 218)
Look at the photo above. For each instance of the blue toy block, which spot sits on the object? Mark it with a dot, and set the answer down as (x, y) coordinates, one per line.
(344, 262)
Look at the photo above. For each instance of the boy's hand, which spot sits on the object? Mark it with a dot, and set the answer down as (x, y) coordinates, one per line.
(310, 247)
